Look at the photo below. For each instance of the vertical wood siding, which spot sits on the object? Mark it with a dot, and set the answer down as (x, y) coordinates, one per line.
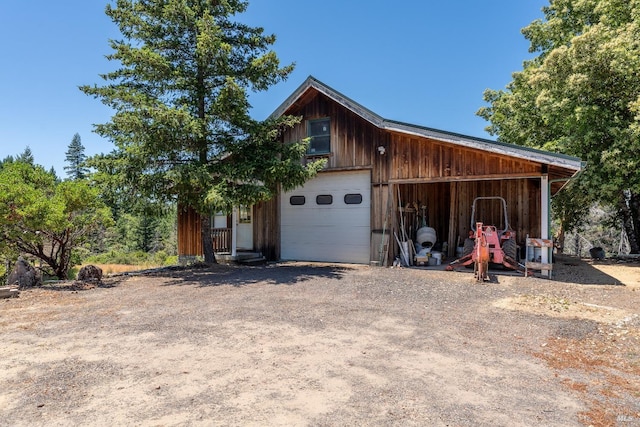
(266, 228)
(423, 158)
(189, 232)
(352, 139)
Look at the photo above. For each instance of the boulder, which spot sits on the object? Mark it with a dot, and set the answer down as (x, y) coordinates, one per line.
(24, 275)
(597, 253)
(90, 273)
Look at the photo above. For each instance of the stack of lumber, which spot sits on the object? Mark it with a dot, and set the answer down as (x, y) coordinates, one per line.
(9, 292)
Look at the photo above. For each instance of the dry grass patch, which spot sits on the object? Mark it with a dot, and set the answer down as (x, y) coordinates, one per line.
(603, 369)
(602, 365)
(562, 307)
(123, 268)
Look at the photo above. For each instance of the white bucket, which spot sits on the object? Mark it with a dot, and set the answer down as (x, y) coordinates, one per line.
(436, 257)
(424, 251)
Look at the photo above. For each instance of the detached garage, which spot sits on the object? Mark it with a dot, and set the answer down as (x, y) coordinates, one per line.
(328, 219)
(374, 166)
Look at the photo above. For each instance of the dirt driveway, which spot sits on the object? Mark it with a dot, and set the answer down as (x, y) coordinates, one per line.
(296, 344)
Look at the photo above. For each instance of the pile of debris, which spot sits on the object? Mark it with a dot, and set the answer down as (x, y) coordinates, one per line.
(9, 292)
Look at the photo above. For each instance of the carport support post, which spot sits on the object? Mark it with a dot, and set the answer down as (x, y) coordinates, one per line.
(234, 231)
(545, 218)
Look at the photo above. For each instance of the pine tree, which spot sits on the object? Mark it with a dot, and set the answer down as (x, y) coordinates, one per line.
(76, 159)
(26, 156)
(182, 128)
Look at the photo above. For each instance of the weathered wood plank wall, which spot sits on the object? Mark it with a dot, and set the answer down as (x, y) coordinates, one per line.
(266, 228)
(353, 139)
(523, 206)
(189, 232)
(419, 159)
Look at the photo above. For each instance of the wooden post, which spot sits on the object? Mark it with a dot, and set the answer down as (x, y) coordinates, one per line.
(453, 219)
(545, 219)
(234, 231)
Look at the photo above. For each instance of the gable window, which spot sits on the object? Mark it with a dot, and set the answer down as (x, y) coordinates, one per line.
(320, 133)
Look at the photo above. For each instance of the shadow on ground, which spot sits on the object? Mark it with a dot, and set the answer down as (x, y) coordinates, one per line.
(570, 269)
(75, 286)
(566, 269)
(277, 274)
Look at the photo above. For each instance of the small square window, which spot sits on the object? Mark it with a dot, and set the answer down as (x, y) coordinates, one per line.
(324, 199)
(320, 133)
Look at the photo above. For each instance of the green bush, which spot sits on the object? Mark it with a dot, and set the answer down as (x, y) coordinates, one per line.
(73, 273)
(171, 260)
(4, 274)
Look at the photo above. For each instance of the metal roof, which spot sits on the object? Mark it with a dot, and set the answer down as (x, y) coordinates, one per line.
(527, 153)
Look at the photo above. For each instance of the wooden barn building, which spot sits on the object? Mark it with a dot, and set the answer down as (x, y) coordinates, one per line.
(380, 175)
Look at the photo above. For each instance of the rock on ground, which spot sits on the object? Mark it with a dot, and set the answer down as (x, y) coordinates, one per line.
(90, 273)
(24, 275)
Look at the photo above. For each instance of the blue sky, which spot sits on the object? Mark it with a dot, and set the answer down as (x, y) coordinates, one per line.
(423, 62)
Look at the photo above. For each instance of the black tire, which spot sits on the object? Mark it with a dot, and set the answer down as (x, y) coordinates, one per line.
(467, 249)
(469, 244)
(510, 249)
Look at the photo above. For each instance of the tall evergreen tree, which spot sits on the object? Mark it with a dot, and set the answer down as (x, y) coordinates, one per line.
(76, 159)
(7, 160)
(182, 128)
(26, 156)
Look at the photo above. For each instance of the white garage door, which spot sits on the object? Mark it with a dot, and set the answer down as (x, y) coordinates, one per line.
(328, 219)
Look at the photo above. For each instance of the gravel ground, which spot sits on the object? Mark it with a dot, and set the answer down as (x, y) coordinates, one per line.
(298, 344)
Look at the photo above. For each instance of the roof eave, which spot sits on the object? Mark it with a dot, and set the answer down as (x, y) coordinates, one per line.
(530, 154)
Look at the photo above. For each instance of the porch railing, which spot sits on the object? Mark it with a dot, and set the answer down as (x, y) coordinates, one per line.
(221, 239)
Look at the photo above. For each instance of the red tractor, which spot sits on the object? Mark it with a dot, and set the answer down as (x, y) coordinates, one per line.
(486, 244)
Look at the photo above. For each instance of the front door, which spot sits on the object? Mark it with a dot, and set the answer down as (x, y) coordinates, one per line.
(245, 228)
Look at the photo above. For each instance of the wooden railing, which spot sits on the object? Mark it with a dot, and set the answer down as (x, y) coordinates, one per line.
(221, 239)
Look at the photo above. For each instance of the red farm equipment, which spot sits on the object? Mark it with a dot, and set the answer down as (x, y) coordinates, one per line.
(486, 244)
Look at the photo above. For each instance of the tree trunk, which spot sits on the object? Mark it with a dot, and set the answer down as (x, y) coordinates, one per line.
(630, 210)
(560, 238)
(634, 205)
(207, 241)
(201, 90)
